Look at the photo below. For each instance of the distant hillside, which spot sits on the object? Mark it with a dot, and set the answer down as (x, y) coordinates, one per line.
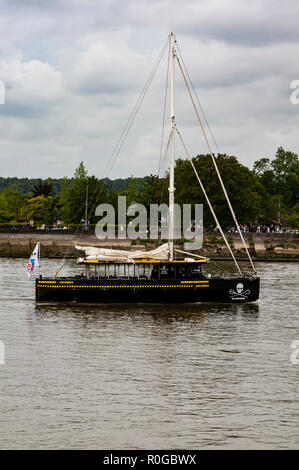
(25, 185)
(120, 184)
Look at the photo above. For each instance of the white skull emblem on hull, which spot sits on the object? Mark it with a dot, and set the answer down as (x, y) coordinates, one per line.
(239, 293)
(240, 288)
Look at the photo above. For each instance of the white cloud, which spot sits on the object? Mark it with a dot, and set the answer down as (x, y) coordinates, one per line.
(32, 83)
(104, 65)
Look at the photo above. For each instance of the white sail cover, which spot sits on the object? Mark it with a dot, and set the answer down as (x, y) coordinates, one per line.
(104, 254)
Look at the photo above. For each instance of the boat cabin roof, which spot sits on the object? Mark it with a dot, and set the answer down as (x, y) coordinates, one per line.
(143, 269)
(138, 261)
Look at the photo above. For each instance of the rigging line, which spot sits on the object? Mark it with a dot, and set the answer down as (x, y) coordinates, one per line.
(122, 138)
(217, 264)
(209, 203)
(163, 125)
(197, 99)
(136, 105)
(123, 141)
(134, 111)
(130, 121)
(191, 254)
(217, 170)
(68, 253)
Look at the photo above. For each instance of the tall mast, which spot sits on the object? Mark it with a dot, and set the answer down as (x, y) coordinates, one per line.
(171, 169)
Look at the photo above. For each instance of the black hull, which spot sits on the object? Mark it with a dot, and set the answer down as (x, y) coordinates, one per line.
(149, 291)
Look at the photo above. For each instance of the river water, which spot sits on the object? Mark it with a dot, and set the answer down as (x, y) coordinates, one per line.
(149, 376)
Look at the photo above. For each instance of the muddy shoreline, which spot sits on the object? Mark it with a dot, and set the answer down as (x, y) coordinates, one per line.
(263, 247)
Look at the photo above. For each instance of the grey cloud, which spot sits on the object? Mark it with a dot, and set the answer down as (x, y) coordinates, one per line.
(90, 59)
(255, 23)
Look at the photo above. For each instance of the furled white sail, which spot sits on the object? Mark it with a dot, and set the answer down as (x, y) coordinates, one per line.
(103, 254)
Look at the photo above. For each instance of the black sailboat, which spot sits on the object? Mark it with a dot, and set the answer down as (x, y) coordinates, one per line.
(154, 276)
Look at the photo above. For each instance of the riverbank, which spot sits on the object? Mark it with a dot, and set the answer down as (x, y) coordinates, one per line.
(52, 245)
(262, 247)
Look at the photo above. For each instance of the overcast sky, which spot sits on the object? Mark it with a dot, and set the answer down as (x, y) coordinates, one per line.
(73, 70)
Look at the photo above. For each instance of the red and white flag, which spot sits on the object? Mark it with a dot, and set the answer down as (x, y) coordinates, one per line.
(33, 261)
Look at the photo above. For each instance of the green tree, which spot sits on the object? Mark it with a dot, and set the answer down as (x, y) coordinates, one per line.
(245, 191)
(150, 192)
(293, 217)
(43, 188)
(280, 177)
(73, 196)
(131, 192)
(11, 202)
(41, 209)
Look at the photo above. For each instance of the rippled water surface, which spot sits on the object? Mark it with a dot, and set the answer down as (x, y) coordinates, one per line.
(149, 376)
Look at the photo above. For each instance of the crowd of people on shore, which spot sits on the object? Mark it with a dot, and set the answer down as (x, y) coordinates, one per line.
(262, 228)
(245, 228)
(44, 227)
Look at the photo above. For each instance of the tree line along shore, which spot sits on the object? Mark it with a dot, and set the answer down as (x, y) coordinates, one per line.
(266, 196)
